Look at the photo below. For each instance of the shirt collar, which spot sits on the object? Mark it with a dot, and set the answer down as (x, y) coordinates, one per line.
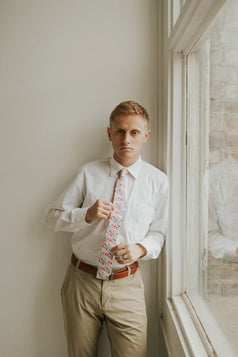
(133, 169)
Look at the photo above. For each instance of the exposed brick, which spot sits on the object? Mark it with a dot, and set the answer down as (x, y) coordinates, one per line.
(217, 121)
(230, 57)
(231, 124)
(224, 73)
(221, 277)
(231, 107)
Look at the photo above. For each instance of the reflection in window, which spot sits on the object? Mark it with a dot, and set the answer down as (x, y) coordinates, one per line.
(212, 172)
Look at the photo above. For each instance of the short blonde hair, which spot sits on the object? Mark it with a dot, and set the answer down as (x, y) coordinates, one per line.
(129, 108)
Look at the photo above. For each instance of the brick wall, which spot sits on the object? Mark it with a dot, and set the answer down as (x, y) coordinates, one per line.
(221, 276)
(224, 83)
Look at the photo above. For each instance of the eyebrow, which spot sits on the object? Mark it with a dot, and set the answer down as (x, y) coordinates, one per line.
(129, 130)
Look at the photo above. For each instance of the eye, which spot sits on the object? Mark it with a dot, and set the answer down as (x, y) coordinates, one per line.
(134, 132)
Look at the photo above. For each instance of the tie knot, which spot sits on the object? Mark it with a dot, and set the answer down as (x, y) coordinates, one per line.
(123, 172)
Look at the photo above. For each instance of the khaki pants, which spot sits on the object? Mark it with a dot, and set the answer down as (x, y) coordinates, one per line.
(87, 302)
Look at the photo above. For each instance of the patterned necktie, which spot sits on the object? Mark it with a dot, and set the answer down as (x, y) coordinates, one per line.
(105, 258)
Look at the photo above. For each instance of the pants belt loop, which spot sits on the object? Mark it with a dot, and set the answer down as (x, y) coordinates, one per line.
(77, 265)
(129, 270)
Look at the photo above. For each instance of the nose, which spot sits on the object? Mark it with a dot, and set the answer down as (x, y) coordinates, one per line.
(126, 138)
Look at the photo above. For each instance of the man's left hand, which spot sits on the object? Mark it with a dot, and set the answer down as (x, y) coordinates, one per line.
(128, 253)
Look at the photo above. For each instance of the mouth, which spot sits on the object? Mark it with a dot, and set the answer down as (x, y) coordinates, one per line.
(126, 148)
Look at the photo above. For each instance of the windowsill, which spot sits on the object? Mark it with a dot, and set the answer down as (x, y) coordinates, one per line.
(189, 332)
(210, 325)
(185, 329)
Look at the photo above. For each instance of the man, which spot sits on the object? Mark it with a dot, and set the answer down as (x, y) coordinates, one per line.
(111, 232)
(223, 208)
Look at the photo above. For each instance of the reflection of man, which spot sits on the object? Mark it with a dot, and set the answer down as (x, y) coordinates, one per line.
(87, 209)
(223, 208)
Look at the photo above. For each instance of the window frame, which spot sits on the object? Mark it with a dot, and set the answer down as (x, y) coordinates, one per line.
(183, 331)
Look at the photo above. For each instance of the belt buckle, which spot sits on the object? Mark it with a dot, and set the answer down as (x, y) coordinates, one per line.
(111, 276)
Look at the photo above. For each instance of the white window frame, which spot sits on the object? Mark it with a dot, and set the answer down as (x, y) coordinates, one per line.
(183, 332)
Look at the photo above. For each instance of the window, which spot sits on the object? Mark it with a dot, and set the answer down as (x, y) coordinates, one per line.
(199, 312)
(212, 177)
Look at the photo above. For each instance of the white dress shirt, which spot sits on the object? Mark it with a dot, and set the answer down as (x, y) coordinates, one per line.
(223, 208)
(145, 208)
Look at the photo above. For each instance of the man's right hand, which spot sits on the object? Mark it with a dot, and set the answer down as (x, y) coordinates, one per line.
(100, 210)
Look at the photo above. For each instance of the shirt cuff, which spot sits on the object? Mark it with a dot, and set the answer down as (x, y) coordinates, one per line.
(78, 217)
(151, 253)
(230, 250)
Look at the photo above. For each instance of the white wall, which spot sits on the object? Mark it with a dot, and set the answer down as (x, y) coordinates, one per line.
(64, 65)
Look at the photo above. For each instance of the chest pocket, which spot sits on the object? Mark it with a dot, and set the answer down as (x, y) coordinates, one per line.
(92, 196)
(140, 219)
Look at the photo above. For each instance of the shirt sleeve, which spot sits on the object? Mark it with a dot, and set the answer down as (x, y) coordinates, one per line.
(219, 245)
(66, 214)
(154, 239)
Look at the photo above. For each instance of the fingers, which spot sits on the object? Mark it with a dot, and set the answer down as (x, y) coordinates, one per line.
(123, 253)
(101, 209)
(104, 208)
(120, 247)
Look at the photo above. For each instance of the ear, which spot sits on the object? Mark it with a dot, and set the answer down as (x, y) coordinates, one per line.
(147, 134)
(109, 134)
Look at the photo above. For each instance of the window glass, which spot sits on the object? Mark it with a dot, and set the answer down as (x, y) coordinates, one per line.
(212, 172)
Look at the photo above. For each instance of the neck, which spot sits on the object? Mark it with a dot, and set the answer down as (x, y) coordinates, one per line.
(125, 163)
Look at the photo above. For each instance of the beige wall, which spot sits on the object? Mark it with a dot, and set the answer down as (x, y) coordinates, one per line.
(64, 65)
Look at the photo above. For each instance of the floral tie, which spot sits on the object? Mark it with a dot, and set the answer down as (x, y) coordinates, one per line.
(105, 258)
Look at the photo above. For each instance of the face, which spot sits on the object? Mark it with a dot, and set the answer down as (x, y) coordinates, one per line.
(128, 133)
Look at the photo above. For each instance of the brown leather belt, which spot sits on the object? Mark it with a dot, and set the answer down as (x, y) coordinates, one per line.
(122, 273)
